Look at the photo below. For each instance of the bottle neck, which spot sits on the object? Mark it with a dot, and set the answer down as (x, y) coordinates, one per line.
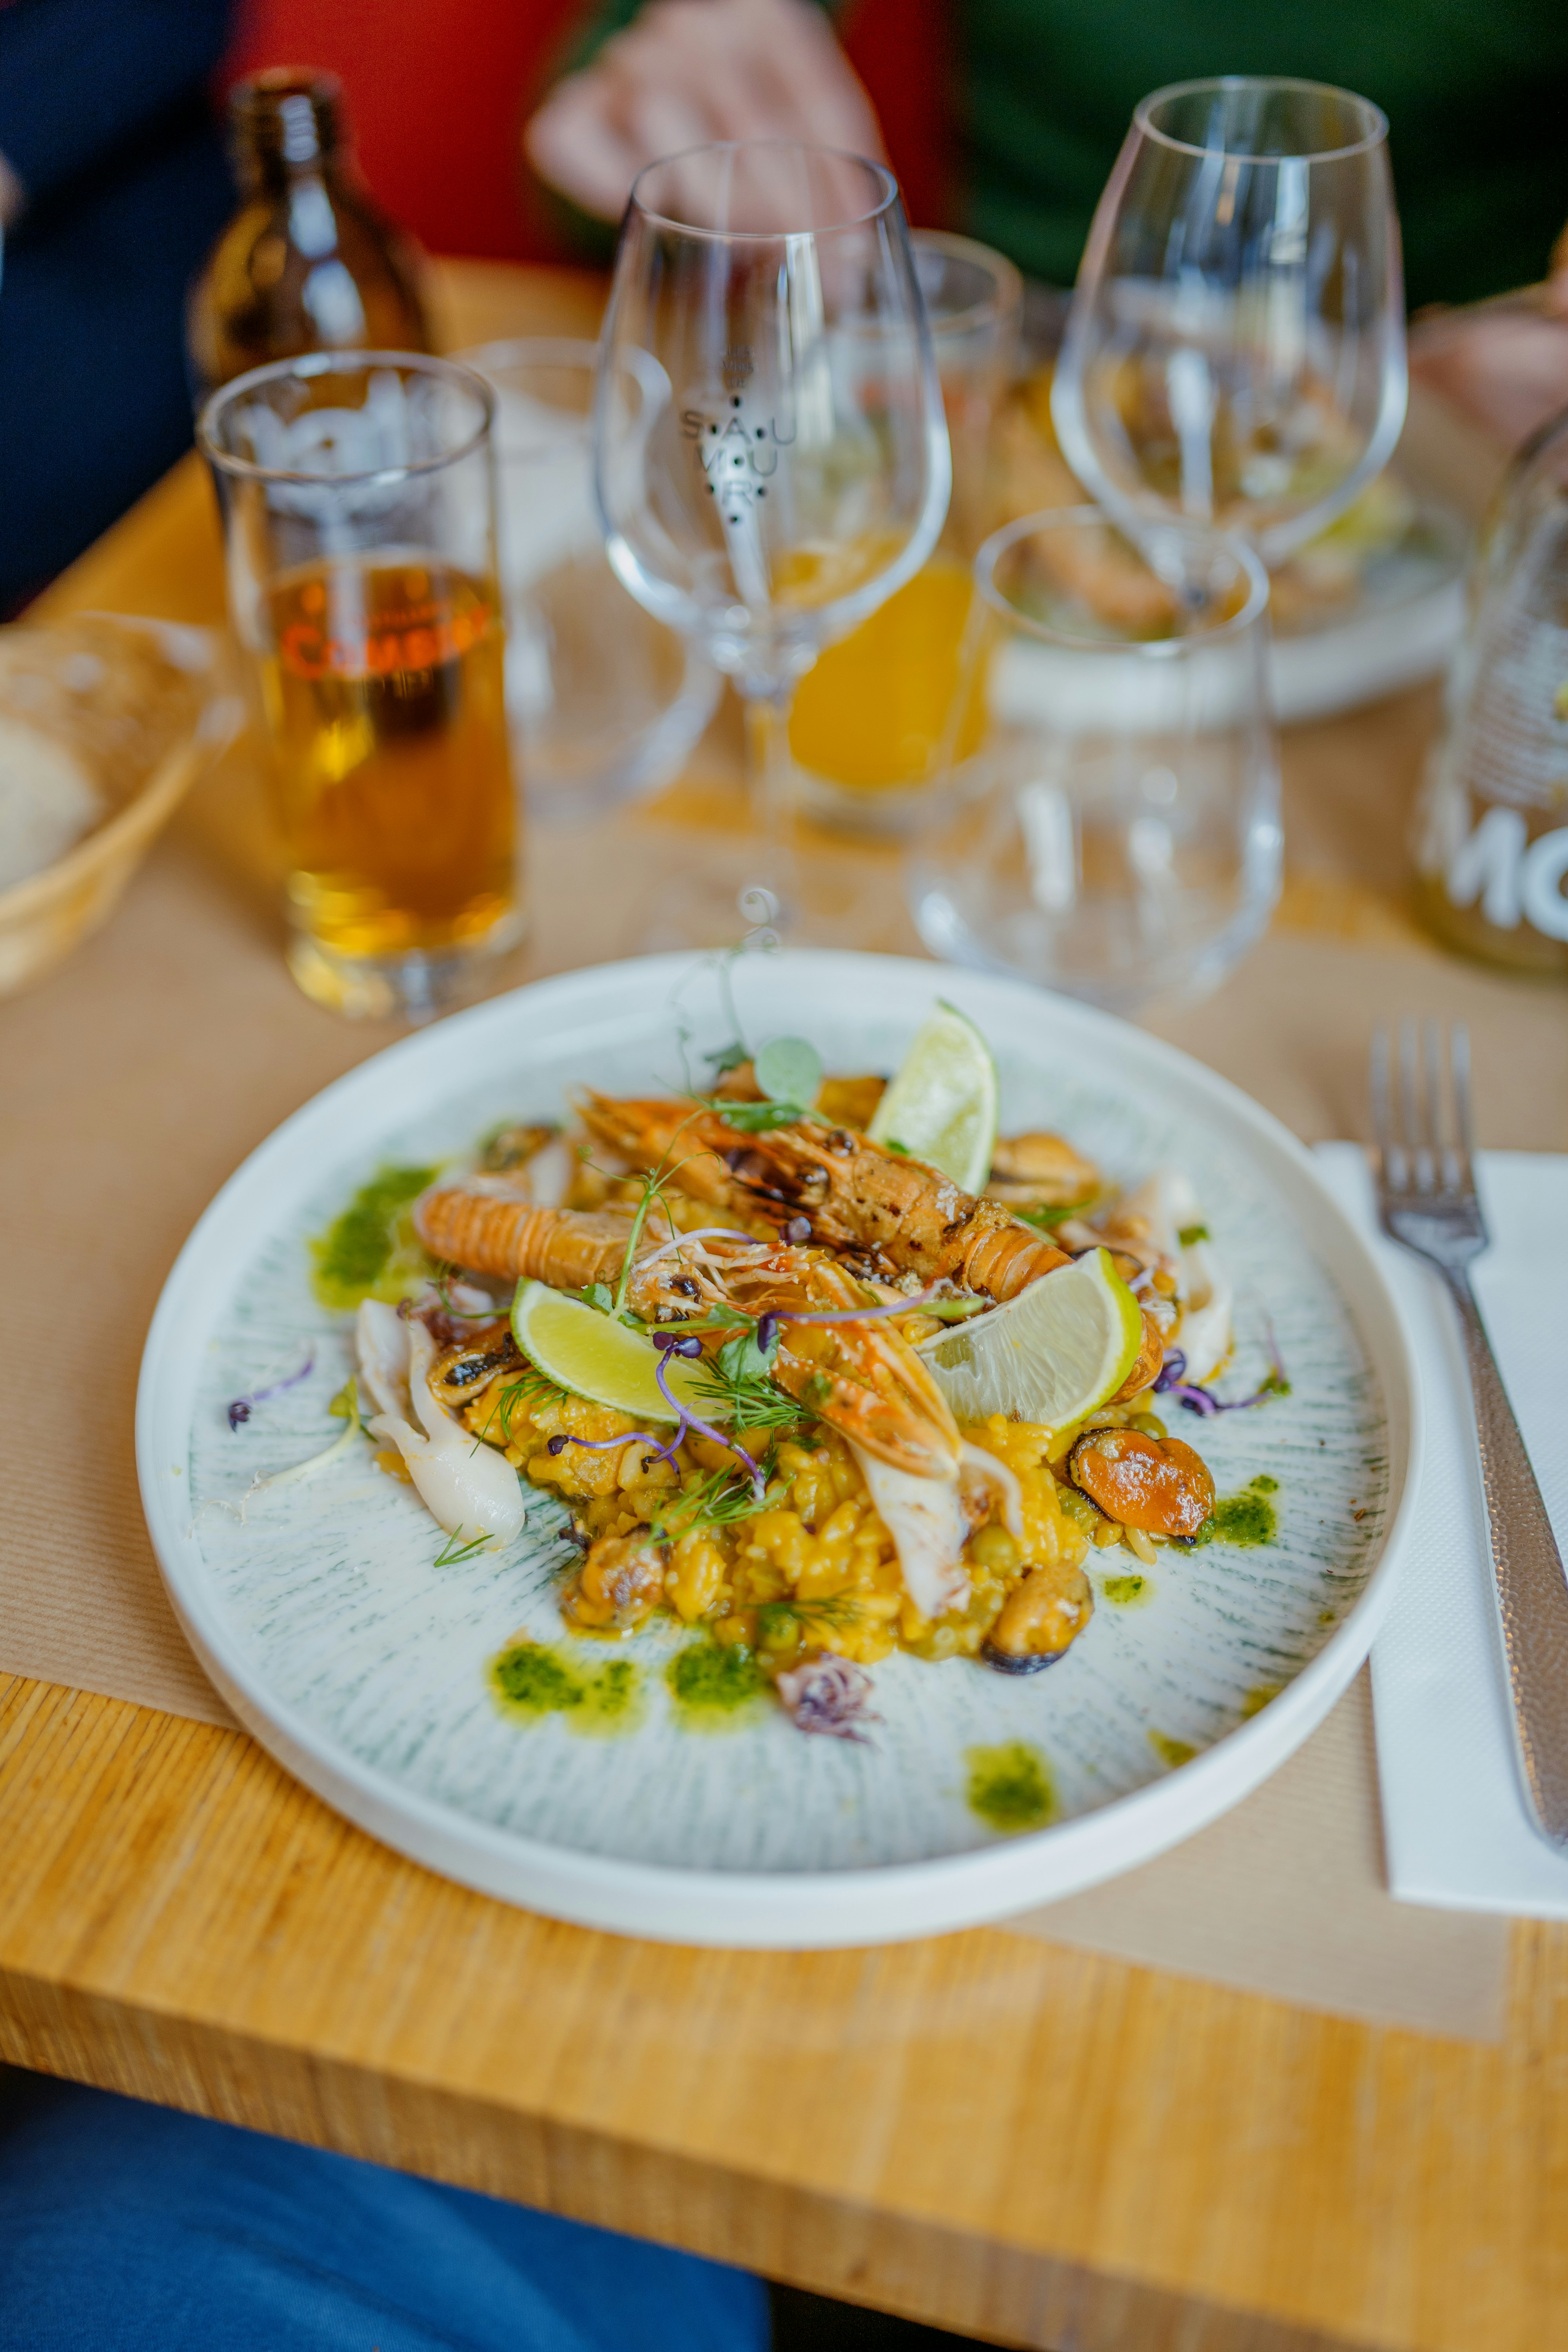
(285, 126)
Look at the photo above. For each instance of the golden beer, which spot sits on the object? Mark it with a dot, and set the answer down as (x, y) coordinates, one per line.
(382, 683)
(878, 709)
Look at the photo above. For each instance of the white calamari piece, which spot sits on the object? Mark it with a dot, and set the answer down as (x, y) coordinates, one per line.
(381, 1343)
(925, 1517)
(462, 1483)
(548, 1175)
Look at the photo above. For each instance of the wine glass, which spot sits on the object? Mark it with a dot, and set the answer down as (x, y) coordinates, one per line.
(1234, 353)
(771, 454)
(1116, 834)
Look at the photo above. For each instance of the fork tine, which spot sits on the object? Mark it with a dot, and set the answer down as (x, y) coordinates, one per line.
(1436, 1107)
(1464, 1128)
(1420, 1177)
(1388, 1153)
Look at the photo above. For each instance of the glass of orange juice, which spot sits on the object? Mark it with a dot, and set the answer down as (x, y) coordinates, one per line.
(874, 718)
(358, 500)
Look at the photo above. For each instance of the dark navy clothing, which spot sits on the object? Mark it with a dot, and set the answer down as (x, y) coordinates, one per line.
(106, 119)
(126, 2227)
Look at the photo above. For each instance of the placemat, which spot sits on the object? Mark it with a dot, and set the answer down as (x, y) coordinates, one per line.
(174, 1043)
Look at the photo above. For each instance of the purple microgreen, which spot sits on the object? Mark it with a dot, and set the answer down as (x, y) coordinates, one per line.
(243, 1407)
(687, 1419)
(1171, 1381)
(559, 1443)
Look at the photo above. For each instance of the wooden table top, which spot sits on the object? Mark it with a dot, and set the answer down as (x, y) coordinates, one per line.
(1009, 2137)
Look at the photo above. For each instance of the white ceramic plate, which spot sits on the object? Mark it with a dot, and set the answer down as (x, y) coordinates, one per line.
(363, 1667)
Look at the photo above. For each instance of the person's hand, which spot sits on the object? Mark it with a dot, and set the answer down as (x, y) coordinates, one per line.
(689, 71)
(1504, 364)
(11, 195)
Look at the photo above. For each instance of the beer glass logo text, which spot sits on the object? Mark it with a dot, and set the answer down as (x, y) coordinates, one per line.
(423, 634)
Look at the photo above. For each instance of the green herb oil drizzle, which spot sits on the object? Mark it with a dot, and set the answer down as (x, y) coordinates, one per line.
(1010, 1787)
(531, 1681)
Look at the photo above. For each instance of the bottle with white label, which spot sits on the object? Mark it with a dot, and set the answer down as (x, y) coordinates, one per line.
(1491, 851)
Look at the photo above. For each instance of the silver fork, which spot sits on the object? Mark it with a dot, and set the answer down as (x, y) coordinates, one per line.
(1426, 1193)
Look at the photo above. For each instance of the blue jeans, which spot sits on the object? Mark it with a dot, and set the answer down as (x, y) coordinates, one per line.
(126, 2227)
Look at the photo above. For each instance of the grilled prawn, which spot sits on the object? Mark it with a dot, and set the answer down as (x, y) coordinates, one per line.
(860, 1376)
(895, 1213)
(482, 1222)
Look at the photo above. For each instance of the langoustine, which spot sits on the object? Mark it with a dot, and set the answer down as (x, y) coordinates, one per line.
(892, 1212)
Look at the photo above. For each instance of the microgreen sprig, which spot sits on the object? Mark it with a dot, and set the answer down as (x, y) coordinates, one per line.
(834, 1609)
(738, 1382)
(454, 1550)
(724, 1496)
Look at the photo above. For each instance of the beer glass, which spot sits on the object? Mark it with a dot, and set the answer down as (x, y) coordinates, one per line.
(1234, 353)
(358, 503)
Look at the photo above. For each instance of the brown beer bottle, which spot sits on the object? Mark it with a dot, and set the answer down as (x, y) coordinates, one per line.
(308, 263)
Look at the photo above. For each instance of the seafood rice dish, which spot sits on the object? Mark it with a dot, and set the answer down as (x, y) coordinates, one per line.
(795, 1386)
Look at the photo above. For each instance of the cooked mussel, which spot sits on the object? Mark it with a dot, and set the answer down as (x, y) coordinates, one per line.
(466, 1370)
(1040, 1619)
(511, 1148)
(1155, 1484)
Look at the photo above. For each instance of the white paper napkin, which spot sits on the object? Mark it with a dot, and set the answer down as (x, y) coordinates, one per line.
(1456, 1830)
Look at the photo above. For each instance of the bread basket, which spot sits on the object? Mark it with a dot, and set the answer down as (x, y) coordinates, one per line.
(140, 707)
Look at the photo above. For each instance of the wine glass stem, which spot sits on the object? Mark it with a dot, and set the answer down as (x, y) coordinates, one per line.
(767, 898)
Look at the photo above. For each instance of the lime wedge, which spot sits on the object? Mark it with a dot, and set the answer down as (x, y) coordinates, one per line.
(609, 1363)
(1053, 1354)
(942, 1106)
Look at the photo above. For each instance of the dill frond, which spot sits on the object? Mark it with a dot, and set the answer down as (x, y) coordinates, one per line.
(452, 1551)
(738, 1384)
(837, 1609)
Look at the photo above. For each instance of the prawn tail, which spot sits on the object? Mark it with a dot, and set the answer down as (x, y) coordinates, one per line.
(1001, 1259)
(488, 1233)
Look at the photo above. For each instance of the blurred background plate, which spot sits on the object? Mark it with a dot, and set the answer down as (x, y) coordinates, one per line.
(1375, 604)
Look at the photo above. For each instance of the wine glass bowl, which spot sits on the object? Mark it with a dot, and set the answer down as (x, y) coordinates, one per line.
(784, 467)
(1234, 353)
(771, 454)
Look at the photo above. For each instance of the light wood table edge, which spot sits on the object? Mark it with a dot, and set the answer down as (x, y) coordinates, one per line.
(123, 1871)
(834, 2246)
